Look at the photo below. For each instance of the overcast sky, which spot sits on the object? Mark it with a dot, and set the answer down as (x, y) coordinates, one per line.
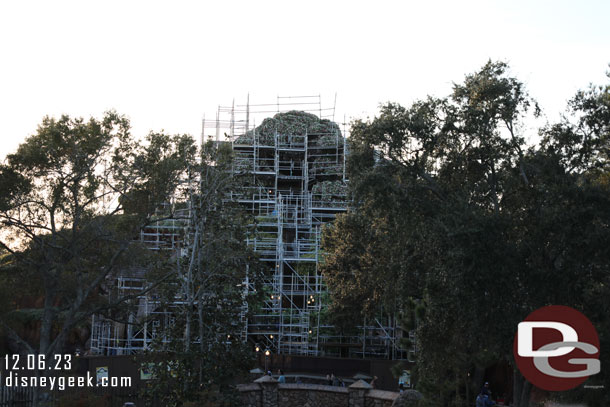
(166, 64)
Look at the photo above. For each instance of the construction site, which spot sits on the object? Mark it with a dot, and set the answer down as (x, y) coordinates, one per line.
(294, 156)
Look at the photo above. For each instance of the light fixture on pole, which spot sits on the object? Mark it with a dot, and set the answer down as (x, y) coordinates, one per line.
(267, 353)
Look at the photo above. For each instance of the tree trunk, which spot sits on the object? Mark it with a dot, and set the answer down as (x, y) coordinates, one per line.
(517, 387)
(189, 291)
(525, 394)
(478, 378)
(187, 329)
(467, 386)
(521, 390)
(458, 398)
(48, 314)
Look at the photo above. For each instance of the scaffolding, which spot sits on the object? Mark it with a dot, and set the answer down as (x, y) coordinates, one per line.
(295, 182)
(147, 317)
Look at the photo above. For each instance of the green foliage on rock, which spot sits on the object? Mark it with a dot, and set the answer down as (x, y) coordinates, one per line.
(330, 189)
(293, 123)
(326, 166)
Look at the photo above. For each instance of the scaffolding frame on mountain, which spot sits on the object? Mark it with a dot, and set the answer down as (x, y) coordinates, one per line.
(297, 184)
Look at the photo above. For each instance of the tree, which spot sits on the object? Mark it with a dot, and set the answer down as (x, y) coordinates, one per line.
(471, 226)
(69, 222)
(212, 285)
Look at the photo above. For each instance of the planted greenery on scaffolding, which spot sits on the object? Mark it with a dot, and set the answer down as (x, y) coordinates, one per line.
(329, 192)
(292, 123)
(336, 189)
(329, 140)
(308, 149)
(326, 166)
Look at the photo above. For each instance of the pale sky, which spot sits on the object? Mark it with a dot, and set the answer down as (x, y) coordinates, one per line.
(166, 64)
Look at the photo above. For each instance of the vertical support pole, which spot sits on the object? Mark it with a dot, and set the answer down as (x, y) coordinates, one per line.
(202, 131)
(232, 123)
(145, 345)
(255, 149)
(344, 148)
(363, 338)
(334, 106)
(320, 105)
(247, 113)
(129, 332)
(218, 126)
(304, 174)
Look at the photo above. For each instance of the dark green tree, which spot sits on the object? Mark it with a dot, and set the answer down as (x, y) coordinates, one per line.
(202, 354)
(66, 228)
(456, 217)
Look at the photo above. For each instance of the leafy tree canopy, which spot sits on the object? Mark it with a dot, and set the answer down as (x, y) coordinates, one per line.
(455, 216)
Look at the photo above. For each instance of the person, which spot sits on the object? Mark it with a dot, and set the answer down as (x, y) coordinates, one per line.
(329, 380)
(485, 389)
(281, 378)
(401, 387)
(483, 400)
(335, 380)
(373, 382)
